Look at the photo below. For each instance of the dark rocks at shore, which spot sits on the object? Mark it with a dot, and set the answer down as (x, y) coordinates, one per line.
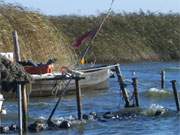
(40, 125)
(37, 126)
(13, 127)
(4, 130)
(124, 114)
(8, 129)
(65, 125)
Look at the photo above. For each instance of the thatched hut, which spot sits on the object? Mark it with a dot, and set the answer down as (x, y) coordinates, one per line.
(11, 73)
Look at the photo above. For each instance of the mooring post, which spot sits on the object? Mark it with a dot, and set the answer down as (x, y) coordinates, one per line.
(24, 109)
(136, 95)
(121, 84)
(20, 117)
(17, 55)
(162, 79)
(78, 98)
(175, 94)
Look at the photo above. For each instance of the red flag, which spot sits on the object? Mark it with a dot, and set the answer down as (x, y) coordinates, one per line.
(84, 38)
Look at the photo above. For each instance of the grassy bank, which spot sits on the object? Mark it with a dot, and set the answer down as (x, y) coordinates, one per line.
(38, 38)
(127, 37)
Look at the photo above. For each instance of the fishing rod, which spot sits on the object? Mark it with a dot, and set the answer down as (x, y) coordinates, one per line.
(98, 30)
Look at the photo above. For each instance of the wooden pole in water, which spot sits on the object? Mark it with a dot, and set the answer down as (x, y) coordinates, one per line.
(136, 95)
(17, 59)
(20, 109)
(175, 94)
(24, 109)
(162, 79)
(17, 55)
(121, 84)
(78, 98)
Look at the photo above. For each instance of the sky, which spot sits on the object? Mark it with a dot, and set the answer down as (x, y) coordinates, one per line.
(94, 7)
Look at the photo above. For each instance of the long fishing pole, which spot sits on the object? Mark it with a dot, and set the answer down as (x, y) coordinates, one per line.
(98, 30)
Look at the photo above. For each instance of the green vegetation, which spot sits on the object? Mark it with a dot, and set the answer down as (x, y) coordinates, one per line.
(38, 38)
(127, 37)
(124, 37)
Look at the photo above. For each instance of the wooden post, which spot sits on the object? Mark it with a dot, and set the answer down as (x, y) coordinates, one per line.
(136, 95)
(175, 94)
(162, 79)
(20, 117)
(122, 87)
(24, 109)
(17, 55)
(78, 98)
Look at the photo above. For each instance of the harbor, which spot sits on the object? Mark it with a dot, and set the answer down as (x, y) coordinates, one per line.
(90, 67)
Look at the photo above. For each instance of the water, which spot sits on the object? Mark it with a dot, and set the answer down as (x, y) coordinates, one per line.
(151, 99)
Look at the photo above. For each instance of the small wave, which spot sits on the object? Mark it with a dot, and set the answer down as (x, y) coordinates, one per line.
(155, 110)
(177, 68)
(158, 93)
(40, 104)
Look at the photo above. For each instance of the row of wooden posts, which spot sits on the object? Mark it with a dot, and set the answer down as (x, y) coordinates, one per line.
(173, 87)
(135, 86)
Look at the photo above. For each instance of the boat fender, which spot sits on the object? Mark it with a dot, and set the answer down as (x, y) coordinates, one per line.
(64, 69)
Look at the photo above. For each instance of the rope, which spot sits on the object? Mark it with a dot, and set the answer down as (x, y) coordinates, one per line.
(58, 86)
(58, 101)
(99, 28)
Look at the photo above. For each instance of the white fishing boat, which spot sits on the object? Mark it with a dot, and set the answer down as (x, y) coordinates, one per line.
(94, 78)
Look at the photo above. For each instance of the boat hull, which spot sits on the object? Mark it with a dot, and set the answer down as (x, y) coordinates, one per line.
(94, 80)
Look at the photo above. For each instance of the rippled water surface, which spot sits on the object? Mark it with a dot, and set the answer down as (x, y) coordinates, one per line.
(109, 100)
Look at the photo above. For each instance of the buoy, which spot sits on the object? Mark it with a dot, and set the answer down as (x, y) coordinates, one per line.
(65, 124)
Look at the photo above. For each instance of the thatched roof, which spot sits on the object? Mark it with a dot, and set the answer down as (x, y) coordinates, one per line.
(11, 72)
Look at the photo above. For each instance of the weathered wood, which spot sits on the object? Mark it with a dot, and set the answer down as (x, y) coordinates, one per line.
(175, 94)
(17, 55)
(78, 98)
(20, 117)
(24, 109)
(122, 86)
(162, 79)
(136, 95)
